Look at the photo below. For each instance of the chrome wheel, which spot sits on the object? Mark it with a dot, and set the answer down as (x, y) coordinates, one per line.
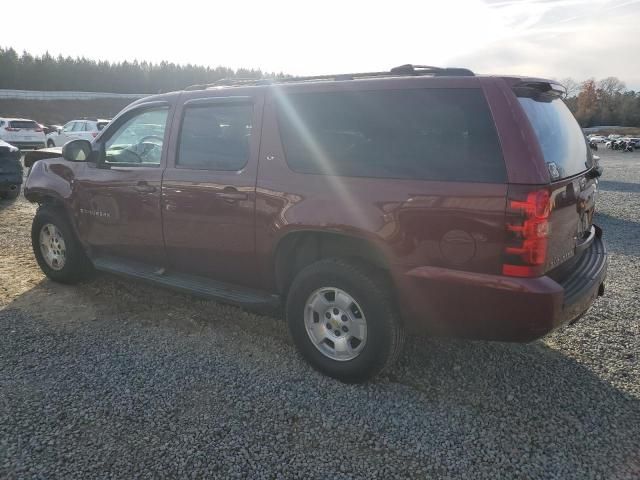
(335, 323)
(52, 246)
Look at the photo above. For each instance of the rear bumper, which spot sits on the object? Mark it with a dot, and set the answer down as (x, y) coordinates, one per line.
(10, 181)
(29, 145)
(492, 307)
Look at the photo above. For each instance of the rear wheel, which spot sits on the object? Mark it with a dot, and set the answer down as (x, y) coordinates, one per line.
(57, 250)
(50, 143)
(343, 320)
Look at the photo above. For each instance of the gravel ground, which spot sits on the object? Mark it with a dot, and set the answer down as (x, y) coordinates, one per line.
(114, 379)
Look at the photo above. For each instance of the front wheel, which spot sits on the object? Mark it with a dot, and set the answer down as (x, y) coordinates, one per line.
(343, 320)
(56, 248)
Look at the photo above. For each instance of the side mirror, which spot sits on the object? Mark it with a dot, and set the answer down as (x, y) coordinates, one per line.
(76, 150)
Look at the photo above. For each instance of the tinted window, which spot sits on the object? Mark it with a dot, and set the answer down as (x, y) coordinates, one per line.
(560, 137)
(215, 137)
(23, 124)
(432, 134)
(139, 140)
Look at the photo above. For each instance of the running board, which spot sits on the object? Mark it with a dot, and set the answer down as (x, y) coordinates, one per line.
(199, 286)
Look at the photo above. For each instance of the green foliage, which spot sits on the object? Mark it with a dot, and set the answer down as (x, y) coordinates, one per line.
(28, 72)
(604, 102)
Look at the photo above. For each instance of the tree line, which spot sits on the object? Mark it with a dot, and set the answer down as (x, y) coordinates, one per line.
(603, 102)
(46, 72)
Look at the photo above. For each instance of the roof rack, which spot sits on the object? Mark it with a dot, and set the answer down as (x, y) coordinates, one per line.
(407, 70)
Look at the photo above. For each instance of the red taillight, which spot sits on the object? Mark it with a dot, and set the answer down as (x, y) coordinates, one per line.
(39, 130)
(528, 223)
(94, 134)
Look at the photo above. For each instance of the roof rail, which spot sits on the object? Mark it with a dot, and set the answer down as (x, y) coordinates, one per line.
(400, 71)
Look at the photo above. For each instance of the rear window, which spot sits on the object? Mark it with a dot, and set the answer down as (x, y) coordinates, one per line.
(23, 124)
(561, 139)
(429, 134)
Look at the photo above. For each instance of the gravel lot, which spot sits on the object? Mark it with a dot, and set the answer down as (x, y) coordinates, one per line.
(114, 379)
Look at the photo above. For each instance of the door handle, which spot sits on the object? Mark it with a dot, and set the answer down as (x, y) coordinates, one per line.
(144, 187)
(231, 194)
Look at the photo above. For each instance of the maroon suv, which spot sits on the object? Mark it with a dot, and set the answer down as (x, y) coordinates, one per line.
(420, 200)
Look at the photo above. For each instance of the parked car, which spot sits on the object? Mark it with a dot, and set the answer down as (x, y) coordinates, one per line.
(21, 133)
(10, 171)
(597, 138)
(86, 129)
(419, 200)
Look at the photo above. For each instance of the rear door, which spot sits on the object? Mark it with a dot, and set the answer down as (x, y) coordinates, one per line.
(208, 188)
(571, 169)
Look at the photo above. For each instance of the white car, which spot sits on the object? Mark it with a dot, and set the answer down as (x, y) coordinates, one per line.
(22, 133)
(74, 130)
(597, 138)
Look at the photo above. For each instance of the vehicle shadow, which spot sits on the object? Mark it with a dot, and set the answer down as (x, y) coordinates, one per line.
(615, 186)
(470, 401)
(620, 235)
(7, 203)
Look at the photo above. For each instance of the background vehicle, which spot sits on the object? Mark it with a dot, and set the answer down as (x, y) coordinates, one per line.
(76, 130)
(596, 138)
(10, 171)
(21, 133)
(422, 199)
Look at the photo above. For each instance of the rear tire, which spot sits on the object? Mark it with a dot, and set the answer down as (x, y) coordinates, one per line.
(56, 248)
(50, 144)
(358, 298)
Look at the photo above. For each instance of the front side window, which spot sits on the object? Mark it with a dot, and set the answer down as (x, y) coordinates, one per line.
(215, 137)
(139, 140)
(428, 134)
(78, 127)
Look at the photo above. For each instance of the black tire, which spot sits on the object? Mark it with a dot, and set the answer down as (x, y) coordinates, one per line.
(77, 266)
(385, 333)
(50, 143)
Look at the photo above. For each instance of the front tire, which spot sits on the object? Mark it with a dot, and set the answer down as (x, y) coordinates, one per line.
(56, 248)
(343, 320)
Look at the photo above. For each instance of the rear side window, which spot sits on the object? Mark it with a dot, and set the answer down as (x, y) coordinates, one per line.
(561, 139)
(430, 134)
(23, 124)
(215, 137)
(101, 125)
(79, 127)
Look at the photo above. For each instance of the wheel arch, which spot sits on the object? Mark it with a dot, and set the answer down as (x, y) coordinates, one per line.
(300, 248)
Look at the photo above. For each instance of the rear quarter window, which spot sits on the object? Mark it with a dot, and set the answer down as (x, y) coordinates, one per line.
(429, 134)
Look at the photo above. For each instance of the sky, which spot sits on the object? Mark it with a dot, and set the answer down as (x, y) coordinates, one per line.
(547, 38)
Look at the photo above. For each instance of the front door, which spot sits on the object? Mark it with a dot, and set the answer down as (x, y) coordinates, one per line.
(208, 189)
(118, 206)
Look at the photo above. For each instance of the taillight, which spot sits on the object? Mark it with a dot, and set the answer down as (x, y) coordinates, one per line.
(527, 232)
(9, 129)
(39, 130)
(94, 134)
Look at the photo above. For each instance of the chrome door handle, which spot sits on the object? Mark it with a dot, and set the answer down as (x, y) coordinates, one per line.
(144, 187)
(232, 195)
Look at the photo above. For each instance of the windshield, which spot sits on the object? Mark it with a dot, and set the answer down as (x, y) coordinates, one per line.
(561, 139)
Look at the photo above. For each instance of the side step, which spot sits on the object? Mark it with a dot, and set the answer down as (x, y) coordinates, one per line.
(193, 284)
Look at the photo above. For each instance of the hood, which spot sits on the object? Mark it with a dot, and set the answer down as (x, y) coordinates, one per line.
(32, 156)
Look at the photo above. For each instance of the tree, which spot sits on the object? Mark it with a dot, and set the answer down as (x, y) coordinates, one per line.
(587, 104)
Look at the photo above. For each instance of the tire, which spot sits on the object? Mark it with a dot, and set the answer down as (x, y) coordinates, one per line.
(75, 266)
(367, 296)
(50, 143)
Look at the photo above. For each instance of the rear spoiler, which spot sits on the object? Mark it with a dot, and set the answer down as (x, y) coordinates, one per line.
(540, 89)
(32, 156)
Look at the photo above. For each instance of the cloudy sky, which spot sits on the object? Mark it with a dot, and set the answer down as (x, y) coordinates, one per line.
(551, 38)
